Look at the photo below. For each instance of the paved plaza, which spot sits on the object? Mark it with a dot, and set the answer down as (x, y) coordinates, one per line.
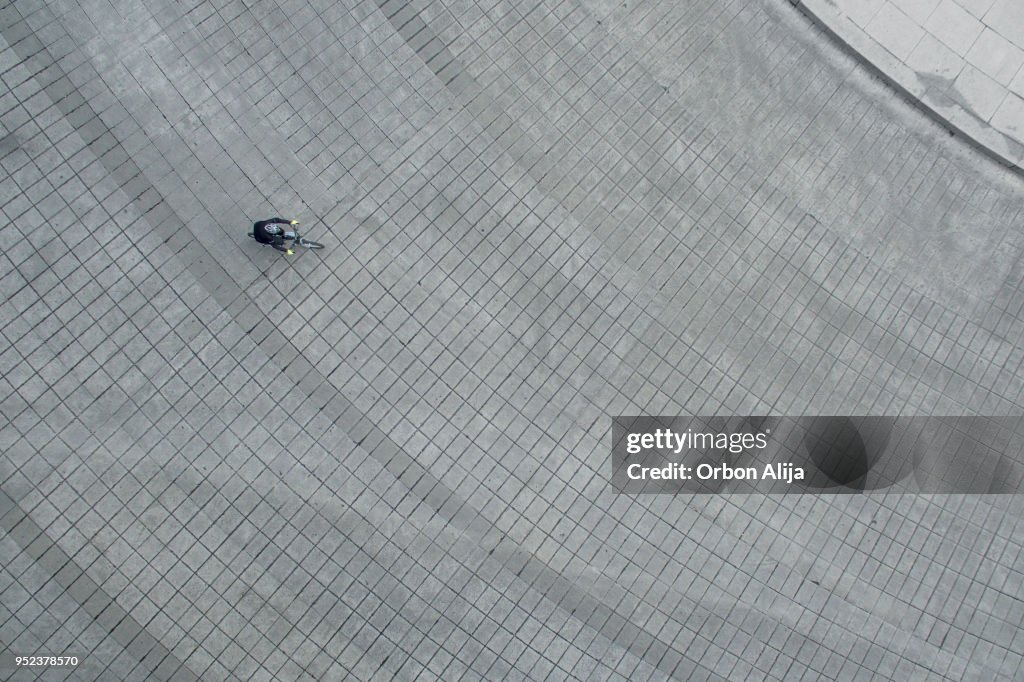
(390, 459)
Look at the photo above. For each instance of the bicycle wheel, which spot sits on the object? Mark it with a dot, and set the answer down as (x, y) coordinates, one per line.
(310, 244)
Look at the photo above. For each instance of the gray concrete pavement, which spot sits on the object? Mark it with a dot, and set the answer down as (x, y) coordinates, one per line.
(389, 458)
(961, 59)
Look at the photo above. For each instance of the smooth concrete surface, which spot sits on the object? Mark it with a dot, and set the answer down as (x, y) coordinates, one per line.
(389, 459)
(963, 60)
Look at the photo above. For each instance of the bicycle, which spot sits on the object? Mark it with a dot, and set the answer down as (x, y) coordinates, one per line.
(301, 241)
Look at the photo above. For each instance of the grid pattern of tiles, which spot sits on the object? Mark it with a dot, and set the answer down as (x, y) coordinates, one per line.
(390, 460)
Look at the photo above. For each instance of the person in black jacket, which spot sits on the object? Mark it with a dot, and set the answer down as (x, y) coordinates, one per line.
(268, 232)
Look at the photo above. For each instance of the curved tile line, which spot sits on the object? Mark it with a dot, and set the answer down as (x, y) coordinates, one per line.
(590, 610)
(447, 67)
(420, 38)
(18, 525)
(153, 656)
(986, 150)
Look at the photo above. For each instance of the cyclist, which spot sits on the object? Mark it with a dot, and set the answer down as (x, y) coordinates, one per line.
(268, 232)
